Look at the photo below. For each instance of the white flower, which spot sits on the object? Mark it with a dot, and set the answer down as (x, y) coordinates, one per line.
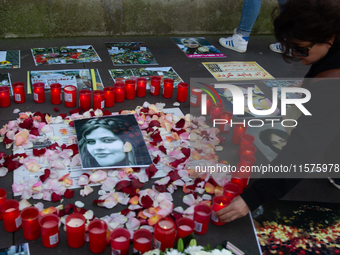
(153, 252)
(221, 252)
(193, 249)
(201, 253)
(173, 252)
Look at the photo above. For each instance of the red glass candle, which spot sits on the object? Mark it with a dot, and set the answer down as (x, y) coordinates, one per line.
(185, 227)
(238, 181)
(168, 87)
(97, 236)
(119, 92)
(216, 112)
(246, 139)
(182, 92)
(231, 190)
(120, 240)
(49, 225)
(130, 89)
(5, 98)
(3, 198)
(165, 234)
(70, 96)
(155, 85)
(85, 99)
(219, 202)
(195, 97)
(11, 215)
(55, 93)
(248, 149)
(98, 99)
(239, 130)
(247, 160)
(75, 230)
(202, 213)
(19, 92)
(226, 115)
(209, 105)
(39, 92)
(141, 86)
(109, 96)
(30, 222)
(142, 239)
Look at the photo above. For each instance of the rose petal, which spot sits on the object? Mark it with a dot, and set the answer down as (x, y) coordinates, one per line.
(69, 193)
(133, 224)
(55, 197)
(127, 147)
(98, 176)
(3, 171)
(189, 199)
(23, 204)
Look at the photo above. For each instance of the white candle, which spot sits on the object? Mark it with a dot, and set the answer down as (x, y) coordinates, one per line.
(185, 228)
(142, 240)
(166, 224)
(10, 210)
(97, 230)
(202, 213)
(75, 223)
(49, 224)
(120, 239)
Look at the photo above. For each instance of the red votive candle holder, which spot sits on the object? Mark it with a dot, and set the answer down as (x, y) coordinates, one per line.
(120, 240)
(165, 234)
(19, 92)
(85, 99)
(168, 87)
(227, 116)
(202, 214)
(11, 215)
(243, 173)
(97, 236)
(39, 92)
(55, 93)
(5, 98)
(209, 105)
(231, 190)
(70, 96)
(119, 92)
(185, 227)
(98, 99)
(3, 198)
(30, 222)
(219, 202)
(246, 139)
(216, 112)
(130, 89)
(141, 87)
(238, 181)
(195, 97)
(182, 92)
(142, 239)
(239, 130)
(109, 96)
(155, 85)
(248, 149)
(75, 230)
(247, 160)
(49, 225)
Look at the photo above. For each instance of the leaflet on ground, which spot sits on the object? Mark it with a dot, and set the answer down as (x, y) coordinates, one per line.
(10, 59)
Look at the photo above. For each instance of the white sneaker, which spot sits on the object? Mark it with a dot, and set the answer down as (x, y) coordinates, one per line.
(236, 42)
(276, 47)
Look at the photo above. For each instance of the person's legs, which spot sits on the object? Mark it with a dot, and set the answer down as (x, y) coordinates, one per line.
(250, 11)
(277, 47)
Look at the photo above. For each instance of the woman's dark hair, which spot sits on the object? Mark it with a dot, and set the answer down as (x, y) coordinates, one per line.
(316, 21)
(121, 128)
(265, 137)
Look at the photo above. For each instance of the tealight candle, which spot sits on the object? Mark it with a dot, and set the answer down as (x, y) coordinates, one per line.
(109, 96)
(216, 112)
(185, 227)
(49, 225)
(155, 85)
(239, 130)
(120, 240)
(130, 89)
(142, 239)
(141, 86)
(70, 95)
(98, 99)
(182, 92)
(119, 92)
(231, 190)
(246, 139)
(11, 215)
(219, 202)
(5, 98)
(30, 222)
(85, 99)
(165, 234)
(3, 198)
(168, 87)
(97, 236)
(75, 230)
(227, 116)
(55, 93)
(19, 92)
(202, 214)
(195, 97)
(39, 92)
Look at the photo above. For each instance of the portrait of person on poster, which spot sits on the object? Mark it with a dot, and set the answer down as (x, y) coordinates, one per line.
(111, 142)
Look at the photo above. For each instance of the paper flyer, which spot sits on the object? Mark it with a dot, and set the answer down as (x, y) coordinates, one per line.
(9, 59)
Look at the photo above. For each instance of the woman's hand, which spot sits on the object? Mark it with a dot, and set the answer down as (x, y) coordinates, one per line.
(237, 209)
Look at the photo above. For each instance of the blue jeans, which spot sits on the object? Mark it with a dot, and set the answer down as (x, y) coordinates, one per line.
(250, 11)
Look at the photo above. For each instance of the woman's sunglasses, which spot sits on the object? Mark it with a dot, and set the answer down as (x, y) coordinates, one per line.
(303, 52)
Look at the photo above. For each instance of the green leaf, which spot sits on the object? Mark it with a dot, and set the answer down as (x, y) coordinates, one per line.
(193, 242)
(180, 245)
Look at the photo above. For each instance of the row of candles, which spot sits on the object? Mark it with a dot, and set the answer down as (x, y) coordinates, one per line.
(101, 98)
(166, 231)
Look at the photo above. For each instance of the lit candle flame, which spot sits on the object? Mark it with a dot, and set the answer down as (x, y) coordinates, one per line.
(221, 204)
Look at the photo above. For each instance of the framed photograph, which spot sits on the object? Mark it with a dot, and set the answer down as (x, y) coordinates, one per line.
(111, 142)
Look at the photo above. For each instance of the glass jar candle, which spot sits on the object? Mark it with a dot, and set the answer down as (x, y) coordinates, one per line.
(85, 99)
(5, 98)
(165, 234)
(109, 96)
(39, 92)
(119, 92)
(155, 85)
(141, 86)
(195, 97)
(70, 96)
(130, 89)
(55, 93)
(11, 215)
(182, 92)
(19, 92)
(168, 87)
(98, 99)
